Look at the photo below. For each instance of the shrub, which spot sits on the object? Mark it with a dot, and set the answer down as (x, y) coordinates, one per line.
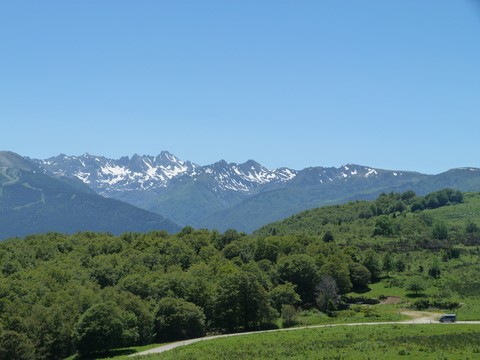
(422, 304)
(360, 300)
(415, 286)
(289, 315)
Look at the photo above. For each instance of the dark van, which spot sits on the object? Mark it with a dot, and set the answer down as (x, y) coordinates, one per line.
(448, 318)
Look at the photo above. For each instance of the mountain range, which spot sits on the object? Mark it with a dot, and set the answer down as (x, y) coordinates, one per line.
(240, 196)
(34, 201)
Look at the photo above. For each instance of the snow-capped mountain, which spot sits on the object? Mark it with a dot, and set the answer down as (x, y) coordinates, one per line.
(242, 196)
(244, 177)
(322, 175)
(124, 174)
(149, 173)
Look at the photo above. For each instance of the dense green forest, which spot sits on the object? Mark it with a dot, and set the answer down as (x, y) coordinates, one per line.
(91, 292)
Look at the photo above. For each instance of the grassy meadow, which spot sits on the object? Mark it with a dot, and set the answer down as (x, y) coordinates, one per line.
(362, 343)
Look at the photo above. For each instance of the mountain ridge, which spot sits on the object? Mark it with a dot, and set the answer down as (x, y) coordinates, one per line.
(166, 167)
(244, 196)
(34, 201)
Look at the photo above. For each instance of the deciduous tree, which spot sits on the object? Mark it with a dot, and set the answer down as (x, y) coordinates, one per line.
(100, 328)
(178, 319)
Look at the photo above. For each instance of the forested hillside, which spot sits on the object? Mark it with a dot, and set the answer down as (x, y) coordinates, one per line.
(32, 201)
(390, 215)
(90, 292)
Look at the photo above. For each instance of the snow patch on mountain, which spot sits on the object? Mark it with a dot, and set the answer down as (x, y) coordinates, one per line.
(149, 173)
(82, 176)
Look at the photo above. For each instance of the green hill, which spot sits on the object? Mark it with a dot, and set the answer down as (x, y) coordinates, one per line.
(390, 218)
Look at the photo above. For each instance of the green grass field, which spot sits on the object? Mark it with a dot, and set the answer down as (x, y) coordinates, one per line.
(368, 342)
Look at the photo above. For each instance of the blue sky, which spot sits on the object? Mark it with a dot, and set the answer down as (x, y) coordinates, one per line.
(390, 84)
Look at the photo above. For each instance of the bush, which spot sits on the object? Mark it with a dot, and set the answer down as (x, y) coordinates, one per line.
(370, 312)
(422, 304)
(415, 286)
(360, 300)
(289, 315)
(394, 282)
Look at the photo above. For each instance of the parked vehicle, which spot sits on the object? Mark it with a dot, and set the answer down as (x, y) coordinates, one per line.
(448, 318)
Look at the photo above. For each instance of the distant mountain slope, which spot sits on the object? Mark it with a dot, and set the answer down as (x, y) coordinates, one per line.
(33, 202)
(312, 188)
(179, 190)
(241, 196)
(464, 179)
(390, 215)
(276, 205)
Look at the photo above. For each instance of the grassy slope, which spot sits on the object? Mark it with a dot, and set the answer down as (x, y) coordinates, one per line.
(368, 342)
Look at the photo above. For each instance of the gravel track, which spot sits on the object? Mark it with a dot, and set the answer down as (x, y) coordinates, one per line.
(417, 317)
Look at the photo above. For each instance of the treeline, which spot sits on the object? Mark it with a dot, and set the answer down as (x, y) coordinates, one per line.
(363, 220)
(409, 201)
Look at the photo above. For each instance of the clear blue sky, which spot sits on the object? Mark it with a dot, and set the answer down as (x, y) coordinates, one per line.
(390, 84)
